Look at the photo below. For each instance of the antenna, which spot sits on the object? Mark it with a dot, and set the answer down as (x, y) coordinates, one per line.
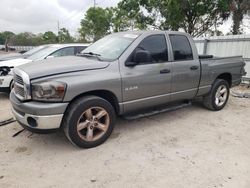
(95, 3)
(58, 30)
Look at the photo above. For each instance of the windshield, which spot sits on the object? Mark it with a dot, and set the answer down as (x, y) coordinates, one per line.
(110, 47)
(42, 53)
(34, 50)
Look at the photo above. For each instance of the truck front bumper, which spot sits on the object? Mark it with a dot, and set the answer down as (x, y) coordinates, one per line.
(37, 116)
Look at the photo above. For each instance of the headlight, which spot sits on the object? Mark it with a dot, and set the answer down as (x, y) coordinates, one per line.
(48, 91)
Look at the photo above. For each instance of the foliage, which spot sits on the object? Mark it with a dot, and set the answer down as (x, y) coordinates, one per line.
(49, 37)
(128, 15)
(193, 16)
(5, 35)
(30, 39)
(64, 36)
(96, 23)
(238, 8)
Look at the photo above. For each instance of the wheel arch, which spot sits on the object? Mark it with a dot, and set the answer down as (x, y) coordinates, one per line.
(105, 94)
(227, 77)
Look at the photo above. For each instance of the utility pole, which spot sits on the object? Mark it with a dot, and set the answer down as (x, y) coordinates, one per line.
(58, 30)
(95, 3)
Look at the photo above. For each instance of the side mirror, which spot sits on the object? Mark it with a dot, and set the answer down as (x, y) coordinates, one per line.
(49, 57)
(140, 56)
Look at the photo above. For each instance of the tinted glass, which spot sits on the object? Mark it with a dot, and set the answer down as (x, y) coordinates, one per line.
(64, 52)
(157, 46)
(80, 48)
(181, 47)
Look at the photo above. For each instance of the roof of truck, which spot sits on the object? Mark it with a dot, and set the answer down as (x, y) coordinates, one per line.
(139, 32)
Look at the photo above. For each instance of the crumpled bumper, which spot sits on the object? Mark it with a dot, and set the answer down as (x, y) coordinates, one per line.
(37, 115)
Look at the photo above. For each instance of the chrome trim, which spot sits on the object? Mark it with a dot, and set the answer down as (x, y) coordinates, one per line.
(43, 122)
(19, 85)
(157, 96)
(203, 87)
(26, 82)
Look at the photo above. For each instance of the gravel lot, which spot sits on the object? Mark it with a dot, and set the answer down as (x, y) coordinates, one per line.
(191, 147)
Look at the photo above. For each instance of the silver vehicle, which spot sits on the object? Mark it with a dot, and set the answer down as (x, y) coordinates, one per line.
(119, 74)
(45, 52)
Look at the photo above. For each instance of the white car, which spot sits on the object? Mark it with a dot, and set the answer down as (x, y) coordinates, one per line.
(22, 56)
(51, 51)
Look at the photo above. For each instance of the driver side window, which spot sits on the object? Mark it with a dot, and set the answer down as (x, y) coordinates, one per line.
(156, 46)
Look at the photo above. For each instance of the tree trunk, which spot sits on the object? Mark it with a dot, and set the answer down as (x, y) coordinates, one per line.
(6, 45)
(237, 20)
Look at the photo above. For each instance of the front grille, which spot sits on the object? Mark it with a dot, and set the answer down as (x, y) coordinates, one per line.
(19, 90)
(19, 86)
(18, 79)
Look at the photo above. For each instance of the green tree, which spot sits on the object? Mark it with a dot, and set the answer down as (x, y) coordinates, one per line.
(23, 39)
(49, 37)
(96, 23)
(128, 15)
(239, 9)
(6, 35)
(64, 36)
(192, 16)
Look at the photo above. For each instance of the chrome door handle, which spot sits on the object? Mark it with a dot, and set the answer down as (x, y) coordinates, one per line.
(164, 71)
(194, 67)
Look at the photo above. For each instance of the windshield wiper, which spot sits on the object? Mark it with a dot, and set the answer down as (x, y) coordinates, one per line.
(90, 54)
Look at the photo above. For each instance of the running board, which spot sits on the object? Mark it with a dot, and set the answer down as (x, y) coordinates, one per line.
(156, 111)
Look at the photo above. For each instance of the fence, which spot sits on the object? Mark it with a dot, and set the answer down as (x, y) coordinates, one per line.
(19, 48)
(222, 46)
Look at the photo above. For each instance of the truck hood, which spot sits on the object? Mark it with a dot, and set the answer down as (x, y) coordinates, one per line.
(14, 62)
(61, 65)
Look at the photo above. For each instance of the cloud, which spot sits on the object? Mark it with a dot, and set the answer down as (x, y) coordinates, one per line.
(42, 15)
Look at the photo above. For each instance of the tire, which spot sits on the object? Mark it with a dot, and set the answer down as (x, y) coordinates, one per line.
(11, 85)
(89, 121)
(214, 101)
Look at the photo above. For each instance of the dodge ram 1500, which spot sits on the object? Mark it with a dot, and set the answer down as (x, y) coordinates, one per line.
(119, 74)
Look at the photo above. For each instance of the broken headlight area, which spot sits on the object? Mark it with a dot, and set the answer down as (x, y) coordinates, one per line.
(48, 91)
(5, 70)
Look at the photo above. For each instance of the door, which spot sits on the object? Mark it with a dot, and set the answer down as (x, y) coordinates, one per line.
(148, 83)
(185, 69)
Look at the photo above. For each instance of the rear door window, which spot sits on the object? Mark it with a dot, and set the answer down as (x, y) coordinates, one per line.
(181, 48)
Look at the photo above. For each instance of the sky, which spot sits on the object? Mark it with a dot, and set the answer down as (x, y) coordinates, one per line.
(38, 16)
(42, 15)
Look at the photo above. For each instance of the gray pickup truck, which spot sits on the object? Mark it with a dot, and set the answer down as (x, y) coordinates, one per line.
(121, 73)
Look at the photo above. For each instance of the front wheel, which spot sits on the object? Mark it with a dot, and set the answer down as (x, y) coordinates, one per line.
(89, 121)
(11, 85)
(218, 96)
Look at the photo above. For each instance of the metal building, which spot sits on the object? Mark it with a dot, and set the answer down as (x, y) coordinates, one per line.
(221, 46)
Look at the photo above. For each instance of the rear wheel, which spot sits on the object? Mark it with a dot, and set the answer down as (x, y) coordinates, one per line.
(89, 121)
(218, 96)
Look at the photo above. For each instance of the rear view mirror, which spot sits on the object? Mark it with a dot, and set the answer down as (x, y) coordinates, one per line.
(140, 56)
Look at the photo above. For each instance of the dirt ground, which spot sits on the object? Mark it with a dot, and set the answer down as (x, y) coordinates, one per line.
(191, 147)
